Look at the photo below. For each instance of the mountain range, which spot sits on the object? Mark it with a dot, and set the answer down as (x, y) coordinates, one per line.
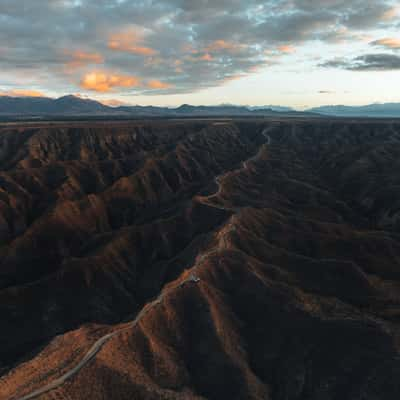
(68, 106)
(380, 110)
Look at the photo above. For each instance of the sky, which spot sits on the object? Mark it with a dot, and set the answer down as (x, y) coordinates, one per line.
(298, 53)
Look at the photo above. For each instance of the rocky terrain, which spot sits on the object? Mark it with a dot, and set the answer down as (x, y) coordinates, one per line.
(200, 259)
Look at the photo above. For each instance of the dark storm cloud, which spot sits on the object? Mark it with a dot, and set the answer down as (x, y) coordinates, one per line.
(367, 62)
(168, 46)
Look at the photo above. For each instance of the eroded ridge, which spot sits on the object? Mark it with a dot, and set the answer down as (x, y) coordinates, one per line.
(267, 270)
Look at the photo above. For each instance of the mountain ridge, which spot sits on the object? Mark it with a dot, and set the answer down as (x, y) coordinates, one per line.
(71, 105)
(389, 110)
(200, 259)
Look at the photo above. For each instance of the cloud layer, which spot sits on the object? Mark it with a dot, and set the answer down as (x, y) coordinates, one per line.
(177, 46)
(367, 62)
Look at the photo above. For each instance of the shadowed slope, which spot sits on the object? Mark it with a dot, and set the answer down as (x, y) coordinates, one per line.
(298, 290)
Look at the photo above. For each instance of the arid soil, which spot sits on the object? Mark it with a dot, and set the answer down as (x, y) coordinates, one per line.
(237, 259)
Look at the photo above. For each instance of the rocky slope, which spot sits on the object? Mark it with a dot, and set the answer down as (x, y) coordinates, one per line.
(227, 260)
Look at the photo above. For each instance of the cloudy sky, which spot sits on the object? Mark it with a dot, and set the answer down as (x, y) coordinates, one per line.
(298, 53)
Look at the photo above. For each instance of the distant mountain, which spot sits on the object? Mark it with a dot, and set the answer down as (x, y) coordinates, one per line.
(187, 110)
(213, 110)
(23, 105)
(384, 110)
(67, 106)
(143, 110)
(272, 107)
(73, 106)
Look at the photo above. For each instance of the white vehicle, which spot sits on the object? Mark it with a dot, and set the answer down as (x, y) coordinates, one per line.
(194, 278)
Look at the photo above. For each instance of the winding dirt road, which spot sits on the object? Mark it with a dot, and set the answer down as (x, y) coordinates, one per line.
(97, 346)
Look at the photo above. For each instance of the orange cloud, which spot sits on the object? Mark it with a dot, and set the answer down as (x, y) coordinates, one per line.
(391, 43)
(391, 13)
(206, 57)
(81, 58)
(255, 68)
(219, 45)
(188, 48)
(113, 102)
(105, 82)
(21, 93)
(156, 84)
(231, 78)
(129, 42)
(178, 68)
(286, 48)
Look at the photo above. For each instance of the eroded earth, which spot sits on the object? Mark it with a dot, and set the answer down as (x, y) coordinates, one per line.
(200, 259)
